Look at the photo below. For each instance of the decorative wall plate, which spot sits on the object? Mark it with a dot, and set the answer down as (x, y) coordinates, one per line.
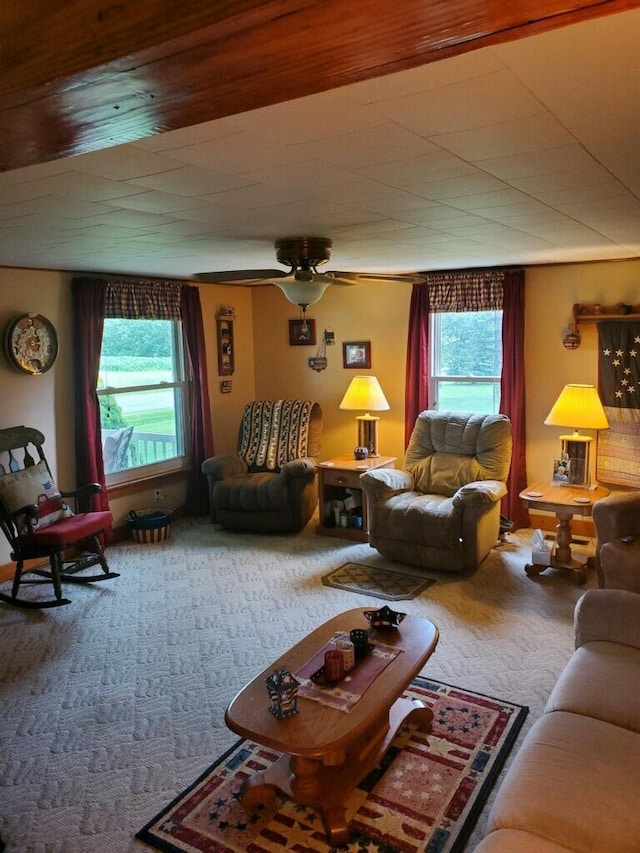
(31, 344)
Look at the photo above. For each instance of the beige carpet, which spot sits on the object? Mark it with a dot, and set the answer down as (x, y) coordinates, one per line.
(112, 705)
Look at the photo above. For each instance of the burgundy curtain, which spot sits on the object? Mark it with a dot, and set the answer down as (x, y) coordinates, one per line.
(416, 397)
(199, 405)
(88, 296)
(512, 392)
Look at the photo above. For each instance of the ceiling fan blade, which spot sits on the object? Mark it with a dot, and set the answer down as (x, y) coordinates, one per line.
(357, 277)
(240, 276)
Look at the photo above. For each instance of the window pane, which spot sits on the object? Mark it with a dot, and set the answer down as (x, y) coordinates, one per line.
(465, 345)
(141, 393)
(470, 344)
(477, 397)
(136, 352)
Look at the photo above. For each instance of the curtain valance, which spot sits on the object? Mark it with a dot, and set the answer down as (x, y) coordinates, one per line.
(143, 299)
(465, 291)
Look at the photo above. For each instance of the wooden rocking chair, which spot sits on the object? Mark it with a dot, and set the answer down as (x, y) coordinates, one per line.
(41, 525)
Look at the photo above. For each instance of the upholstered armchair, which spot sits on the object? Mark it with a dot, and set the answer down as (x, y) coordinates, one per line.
(270, 483)
(442, 509)
(617, 522)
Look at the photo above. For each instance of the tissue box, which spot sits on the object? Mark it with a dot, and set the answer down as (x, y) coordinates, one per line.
(541, 557)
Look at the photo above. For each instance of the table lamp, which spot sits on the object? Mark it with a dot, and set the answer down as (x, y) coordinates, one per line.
(365, 394)
(578, 406)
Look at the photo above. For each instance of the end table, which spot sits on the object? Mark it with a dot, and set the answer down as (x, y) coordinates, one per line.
(565, 502)
(335, 477)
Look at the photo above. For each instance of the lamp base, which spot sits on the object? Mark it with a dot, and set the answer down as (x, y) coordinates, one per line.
(576, 450)
(368, 433)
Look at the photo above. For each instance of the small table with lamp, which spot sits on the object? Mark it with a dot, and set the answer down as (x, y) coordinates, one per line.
(578, 407)
(565, 501)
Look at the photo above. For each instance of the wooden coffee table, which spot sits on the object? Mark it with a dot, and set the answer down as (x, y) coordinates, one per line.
(326, 752)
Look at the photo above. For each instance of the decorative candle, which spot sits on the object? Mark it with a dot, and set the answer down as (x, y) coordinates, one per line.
(348, 653)
(333, 665)
(360, 639)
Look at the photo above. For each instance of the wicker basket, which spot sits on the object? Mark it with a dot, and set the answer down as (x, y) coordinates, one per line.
(149, 526)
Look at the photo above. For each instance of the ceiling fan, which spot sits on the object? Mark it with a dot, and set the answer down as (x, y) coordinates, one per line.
(302, 284)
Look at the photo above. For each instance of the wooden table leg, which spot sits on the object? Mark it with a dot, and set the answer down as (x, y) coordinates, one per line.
(563, 537)
(326, 787)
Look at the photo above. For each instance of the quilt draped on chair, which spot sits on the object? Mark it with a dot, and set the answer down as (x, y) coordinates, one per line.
(273, 432)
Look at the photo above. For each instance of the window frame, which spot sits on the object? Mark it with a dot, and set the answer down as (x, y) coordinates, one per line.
(181, 462)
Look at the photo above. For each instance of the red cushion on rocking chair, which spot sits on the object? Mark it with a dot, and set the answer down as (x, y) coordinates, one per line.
(68, 530)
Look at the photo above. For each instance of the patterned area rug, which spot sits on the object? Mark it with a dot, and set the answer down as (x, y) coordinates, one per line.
(425, 795)
(375, 581)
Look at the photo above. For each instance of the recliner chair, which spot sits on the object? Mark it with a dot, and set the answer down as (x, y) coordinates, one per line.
(617, 522)
(270, 483)
(442, 510)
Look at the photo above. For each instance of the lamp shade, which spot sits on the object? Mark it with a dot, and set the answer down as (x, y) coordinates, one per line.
(578, 406)
(303, 293)
(364, 394)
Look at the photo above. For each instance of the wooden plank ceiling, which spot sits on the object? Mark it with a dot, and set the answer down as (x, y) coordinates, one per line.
(80, 75)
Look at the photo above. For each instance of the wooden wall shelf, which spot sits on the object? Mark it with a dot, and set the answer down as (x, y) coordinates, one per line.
(226, 353)
(592, 313)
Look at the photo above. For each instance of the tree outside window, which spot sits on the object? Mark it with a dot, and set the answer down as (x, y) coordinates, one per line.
(466, 361)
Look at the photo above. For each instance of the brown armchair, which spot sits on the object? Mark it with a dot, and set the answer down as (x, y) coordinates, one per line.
(617, 522)
(270, 483)
(442, 510)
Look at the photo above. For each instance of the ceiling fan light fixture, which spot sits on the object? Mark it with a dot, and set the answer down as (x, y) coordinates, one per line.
(303, 293)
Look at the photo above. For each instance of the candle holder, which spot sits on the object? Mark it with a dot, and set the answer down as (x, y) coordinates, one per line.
(283, 692)
(360, 639)
(385, 618)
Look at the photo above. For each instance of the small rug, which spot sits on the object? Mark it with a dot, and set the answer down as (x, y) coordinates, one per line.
(375, 581)
(425, 795)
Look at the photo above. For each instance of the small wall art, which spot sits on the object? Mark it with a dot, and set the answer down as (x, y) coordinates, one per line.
(302, 333)
(356, 355)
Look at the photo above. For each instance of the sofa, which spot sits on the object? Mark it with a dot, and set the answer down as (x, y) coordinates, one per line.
(442, 509)
(574, 784)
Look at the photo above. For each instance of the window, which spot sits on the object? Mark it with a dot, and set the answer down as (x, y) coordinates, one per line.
(466, 361)
(143, 395)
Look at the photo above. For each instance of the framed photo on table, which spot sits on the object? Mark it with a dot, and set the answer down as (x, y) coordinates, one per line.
(356, 355)
(302, 333)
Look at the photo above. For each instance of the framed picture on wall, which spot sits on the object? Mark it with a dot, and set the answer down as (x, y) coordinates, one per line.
(302, 333)
(356, 354)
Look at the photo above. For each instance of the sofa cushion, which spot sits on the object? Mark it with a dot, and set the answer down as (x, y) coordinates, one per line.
(444, 473)
(573, 782)
(484, 438)
(517, 841)
(598, 682)
(259, 492)
(416, 518)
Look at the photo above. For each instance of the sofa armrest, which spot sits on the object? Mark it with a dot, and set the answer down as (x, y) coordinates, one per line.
(479, 493)
(608, 615)
(298, 468)
(381, 483)
(616, 516)
(224, 465)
